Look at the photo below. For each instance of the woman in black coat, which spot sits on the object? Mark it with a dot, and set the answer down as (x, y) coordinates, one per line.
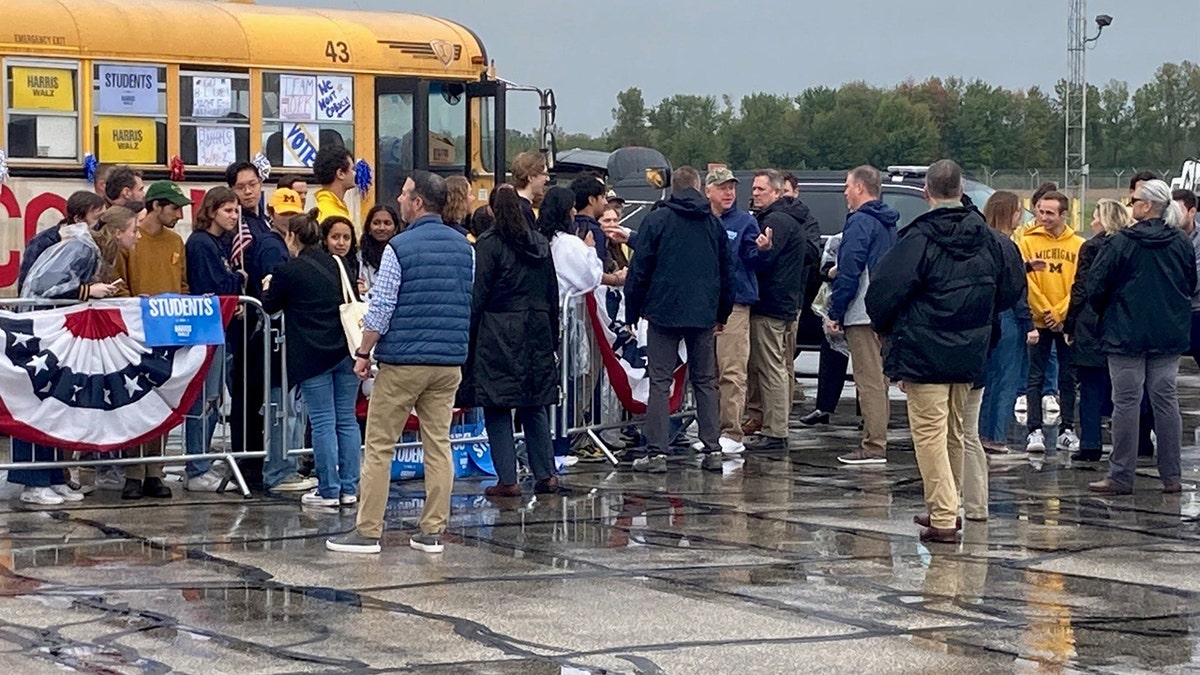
(514, 339)
(1082, 325)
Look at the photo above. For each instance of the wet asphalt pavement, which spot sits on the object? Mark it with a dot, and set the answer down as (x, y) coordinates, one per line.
(779, 564)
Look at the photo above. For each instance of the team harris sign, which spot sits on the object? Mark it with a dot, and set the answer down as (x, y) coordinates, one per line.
(178, 320)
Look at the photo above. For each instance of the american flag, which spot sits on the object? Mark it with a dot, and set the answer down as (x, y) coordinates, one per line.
(241, 241)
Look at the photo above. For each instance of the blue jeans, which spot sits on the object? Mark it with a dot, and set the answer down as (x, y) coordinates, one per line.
(24, 451)
(201, 422)
(337, 442)
(1095, 400)
(287, 433)
(1003, 381)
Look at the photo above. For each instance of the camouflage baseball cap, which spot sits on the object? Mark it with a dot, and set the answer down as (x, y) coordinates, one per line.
(718, 176)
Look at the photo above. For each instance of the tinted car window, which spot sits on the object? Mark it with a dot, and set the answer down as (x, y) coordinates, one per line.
(909, 204)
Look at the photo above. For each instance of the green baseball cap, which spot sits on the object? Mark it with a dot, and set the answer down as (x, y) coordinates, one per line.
(165, 189)
(718, 176)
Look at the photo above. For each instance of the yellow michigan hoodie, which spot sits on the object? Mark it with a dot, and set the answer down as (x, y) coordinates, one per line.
(1050, 289)
(329, 204)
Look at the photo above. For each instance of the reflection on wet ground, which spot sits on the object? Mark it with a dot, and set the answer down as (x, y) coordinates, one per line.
(783, 563)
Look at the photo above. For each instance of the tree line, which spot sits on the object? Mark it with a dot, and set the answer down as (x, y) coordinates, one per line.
(982, 126)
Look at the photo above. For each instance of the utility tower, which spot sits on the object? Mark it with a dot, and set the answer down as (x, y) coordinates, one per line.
(1075, 171)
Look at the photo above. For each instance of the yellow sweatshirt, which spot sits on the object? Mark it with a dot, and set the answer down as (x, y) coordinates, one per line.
(157, 264)
(1050, 289)
(329, 204)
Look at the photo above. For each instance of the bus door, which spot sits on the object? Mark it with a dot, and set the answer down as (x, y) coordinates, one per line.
(487, 101)
(396, 116)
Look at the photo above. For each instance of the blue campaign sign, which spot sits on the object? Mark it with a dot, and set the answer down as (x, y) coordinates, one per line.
(178, 320)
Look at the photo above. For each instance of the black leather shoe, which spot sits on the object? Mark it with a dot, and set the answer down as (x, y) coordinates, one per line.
(154, 487)
(1086, 456)
(814, 418)
(133, 489)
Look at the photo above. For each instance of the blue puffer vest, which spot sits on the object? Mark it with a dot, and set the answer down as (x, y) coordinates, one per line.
(432, 319)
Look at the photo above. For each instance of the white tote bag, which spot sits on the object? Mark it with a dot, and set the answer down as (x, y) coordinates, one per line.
(351, 311)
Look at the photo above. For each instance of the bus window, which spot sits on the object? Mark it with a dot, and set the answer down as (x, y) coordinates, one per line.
(43, 109)
(447, 124)
(130, 113)
(394, 129)
(214, 111)
(299, 108)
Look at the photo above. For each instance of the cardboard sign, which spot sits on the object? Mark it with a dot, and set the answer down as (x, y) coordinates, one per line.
(335, 98)
(43, 89)
(215, 146)
(297, 98)
(128, 140)
(300, 144)
(128, 90)
(171, 320)
(212, 96)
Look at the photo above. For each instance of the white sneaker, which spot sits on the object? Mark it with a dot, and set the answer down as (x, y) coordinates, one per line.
(67, 494)
(348, 500)
(732, 447)
(1068, 441)
(42, 496)
(1036, 442)
(1022, 405)
(314, 498)
(205, 482)
(1051, 410)
(295, 483)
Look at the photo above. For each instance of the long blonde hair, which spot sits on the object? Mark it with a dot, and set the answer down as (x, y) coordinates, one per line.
(113, 221)
(1113, 215)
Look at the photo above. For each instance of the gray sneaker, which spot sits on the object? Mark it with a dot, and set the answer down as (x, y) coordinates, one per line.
(861, 456)
(295, 483)
(429, 543)
(352, 542)
(712, 461)
(655, 464)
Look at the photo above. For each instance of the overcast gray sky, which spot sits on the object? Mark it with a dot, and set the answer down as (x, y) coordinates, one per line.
(589, 51)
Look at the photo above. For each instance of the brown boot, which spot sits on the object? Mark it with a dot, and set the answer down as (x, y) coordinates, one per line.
(546, 487)
(751, 427)
(939, 535)
(1172, 487)
(924, 521)
(502, 490)
(1108, 487)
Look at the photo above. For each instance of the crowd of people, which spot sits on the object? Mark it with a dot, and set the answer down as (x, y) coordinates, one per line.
(972, 313)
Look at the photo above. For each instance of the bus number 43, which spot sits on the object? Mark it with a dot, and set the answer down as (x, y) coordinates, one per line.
(337, 52)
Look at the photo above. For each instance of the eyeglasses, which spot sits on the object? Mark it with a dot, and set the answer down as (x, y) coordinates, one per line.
(1134, 200)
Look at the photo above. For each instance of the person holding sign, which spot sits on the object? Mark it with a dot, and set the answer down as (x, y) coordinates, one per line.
(158, 264)
(209, 273)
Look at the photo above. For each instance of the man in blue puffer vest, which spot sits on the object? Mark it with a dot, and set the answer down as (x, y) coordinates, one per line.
(417, 323)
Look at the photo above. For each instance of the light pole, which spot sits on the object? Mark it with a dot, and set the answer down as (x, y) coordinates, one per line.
(1076, 167)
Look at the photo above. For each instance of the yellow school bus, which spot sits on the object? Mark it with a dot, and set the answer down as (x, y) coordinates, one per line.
(151, 83)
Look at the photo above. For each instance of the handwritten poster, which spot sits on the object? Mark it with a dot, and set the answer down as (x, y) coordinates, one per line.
(300, 144)
(215, 146)
(335, 98)
(211, 96)
(297, 98)
(127, 140)
(128, 90)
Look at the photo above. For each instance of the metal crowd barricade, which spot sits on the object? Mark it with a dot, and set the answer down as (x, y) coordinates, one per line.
(175, 441)
(590, 404)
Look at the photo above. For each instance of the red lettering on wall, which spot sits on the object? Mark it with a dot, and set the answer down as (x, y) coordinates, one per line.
(10, 270)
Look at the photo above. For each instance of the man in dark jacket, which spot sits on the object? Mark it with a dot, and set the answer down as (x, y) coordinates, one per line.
(590, 204)
(782, 276)
(733, 344)
(681, 281)
(1141, 287)
(934, 296)
(869, 233)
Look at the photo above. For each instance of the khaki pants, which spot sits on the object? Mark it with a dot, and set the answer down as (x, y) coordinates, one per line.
(930, 408)
(866, 356)
(966, 453)
(153, 448)
(772, 369)
(398, 390)
(733, 358)
(789, 348)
